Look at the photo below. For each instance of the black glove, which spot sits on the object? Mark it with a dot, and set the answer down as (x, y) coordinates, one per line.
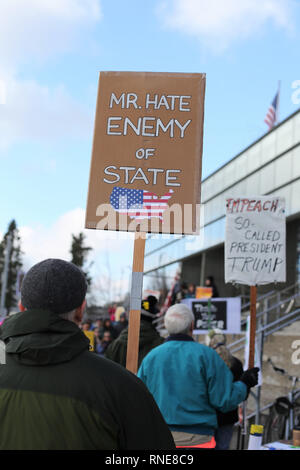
(250, 377)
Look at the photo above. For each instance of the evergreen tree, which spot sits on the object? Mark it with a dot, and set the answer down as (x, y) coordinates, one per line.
(14, 266)
(80, 253)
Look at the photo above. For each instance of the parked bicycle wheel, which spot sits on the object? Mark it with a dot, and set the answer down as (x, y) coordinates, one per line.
(297, 408)
(276, 421)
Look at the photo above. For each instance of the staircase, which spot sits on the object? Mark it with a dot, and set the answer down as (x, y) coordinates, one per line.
(278, 333)
(275, 310)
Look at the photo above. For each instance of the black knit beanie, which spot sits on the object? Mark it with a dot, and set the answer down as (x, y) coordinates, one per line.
(149, 308)
(54, 285)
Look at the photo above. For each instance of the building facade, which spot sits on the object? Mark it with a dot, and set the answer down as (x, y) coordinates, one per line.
(269, 166)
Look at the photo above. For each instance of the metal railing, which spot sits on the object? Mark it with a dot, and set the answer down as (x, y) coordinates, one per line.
(277, 311)
(273, 317)
(275, 304)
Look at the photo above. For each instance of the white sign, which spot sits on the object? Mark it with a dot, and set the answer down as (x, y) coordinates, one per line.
(255, 243)
(221, 313)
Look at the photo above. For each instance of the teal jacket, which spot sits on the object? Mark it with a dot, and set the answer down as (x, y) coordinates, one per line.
(189, 382)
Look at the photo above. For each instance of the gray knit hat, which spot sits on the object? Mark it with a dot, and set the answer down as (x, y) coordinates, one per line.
(54, 285)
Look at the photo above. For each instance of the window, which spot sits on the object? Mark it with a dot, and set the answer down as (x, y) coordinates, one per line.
(268, 147)
(254, 154)
(296, 163)
(298, 254)
(285, 136)
(283, 169)
(242, 166)
(296, 128)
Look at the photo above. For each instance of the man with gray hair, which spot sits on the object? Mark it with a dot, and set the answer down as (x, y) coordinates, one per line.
(55, 394)
(190, 382)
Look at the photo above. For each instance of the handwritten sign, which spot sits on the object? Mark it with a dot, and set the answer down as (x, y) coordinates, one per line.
(255, 243)
(147, 151)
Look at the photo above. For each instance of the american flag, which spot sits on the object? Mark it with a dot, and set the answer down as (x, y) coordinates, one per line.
(271, 116)
(139, 204)
(168, 300)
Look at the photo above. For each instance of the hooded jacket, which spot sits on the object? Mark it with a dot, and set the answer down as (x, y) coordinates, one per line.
(56, 394)
(149, 339)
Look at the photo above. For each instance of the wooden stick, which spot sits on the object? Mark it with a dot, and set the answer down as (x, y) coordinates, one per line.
(252, 326)
(135, 302)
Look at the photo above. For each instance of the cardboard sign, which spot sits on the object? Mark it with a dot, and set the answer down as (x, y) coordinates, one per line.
(147, 151)
(203, 292)
(255, 243)
(221, 313)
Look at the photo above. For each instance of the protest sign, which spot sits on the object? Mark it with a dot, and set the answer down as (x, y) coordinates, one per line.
(147, 150)
(202, 292)
(146, 165)
(255, 242)
(255, 247)
(221, 313)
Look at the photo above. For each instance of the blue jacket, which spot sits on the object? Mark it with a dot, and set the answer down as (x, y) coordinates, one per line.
(189, 382)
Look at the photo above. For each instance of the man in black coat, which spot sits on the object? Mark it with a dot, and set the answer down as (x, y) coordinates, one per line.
(55, 394)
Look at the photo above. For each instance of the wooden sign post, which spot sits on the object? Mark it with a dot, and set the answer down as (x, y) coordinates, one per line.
(135, 302)
(145, 174)
(253, 295)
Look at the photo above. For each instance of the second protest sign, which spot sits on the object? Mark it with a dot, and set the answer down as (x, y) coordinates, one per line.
(255, 248)
(255, 242)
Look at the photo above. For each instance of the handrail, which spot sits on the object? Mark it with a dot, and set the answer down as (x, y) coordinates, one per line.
(262, 297)
(272, 307)
(273, 292)
(265, 328)
(264, 408)
(159, 321)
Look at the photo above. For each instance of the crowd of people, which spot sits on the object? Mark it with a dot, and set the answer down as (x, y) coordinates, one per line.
(103, 331)
(108, 336)
(184, 290)
(111, 337)
(65, 385)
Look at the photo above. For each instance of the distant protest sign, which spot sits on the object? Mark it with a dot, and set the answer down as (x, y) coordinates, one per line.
(255, 244)
(221, 313)
(147, 151)
(202, 292)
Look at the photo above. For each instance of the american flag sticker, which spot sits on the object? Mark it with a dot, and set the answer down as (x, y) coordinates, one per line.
(139, 204)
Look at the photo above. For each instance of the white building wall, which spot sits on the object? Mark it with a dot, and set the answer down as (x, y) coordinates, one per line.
(269, 166)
